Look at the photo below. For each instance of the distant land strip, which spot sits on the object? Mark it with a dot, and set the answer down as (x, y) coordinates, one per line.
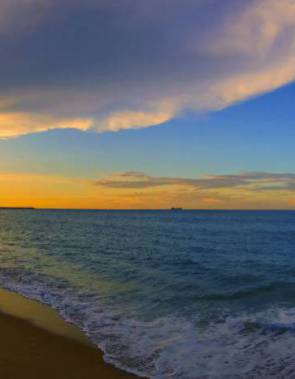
(14, 208)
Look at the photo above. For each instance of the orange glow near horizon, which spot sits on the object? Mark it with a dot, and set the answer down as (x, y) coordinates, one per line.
(30, 190)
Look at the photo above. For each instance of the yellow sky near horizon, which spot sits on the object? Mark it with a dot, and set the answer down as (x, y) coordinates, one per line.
(41, 191)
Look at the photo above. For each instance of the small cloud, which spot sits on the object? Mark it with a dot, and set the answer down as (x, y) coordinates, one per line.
(16, 124)
(135, 120)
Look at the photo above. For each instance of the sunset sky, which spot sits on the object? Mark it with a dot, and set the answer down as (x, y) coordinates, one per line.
(147, 104)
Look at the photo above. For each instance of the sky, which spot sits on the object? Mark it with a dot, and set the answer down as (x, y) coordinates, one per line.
(147, 104)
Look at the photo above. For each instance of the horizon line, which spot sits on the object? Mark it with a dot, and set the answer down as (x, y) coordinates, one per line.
(143, 209)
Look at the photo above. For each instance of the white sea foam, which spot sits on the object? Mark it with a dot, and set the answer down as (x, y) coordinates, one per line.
(257, 345)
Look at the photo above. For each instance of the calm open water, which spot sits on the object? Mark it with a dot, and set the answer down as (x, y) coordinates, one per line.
(193, 294)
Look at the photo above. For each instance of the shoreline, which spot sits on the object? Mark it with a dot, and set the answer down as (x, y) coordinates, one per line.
(36, 342)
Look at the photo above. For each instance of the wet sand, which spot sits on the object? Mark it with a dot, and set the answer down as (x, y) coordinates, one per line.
(36, 343)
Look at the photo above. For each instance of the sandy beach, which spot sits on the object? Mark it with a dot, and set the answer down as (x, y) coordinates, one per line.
(37, 343)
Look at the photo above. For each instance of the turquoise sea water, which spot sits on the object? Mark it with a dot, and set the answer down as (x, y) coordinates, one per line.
(192, 294)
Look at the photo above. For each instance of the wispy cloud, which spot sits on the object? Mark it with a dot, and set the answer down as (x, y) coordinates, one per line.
(255, 181)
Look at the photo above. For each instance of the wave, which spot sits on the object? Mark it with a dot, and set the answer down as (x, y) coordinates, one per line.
(251, 291)
(246, 345)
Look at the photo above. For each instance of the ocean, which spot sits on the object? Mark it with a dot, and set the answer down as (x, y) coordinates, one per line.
(183, 294)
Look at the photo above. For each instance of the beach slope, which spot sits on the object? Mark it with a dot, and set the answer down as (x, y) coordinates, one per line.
(30, 350)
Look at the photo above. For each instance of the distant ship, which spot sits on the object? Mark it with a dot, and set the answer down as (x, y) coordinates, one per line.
(176, 209)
